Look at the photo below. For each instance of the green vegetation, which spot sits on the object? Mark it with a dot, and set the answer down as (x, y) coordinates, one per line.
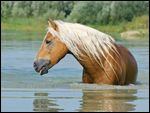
(35, 26)
(138, 24)
(112, 17)
(24, 24)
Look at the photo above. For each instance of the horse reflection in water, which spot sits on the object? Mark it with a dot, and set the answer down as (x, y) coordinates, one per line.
(103, 61)
(107, 100)
(42, 103)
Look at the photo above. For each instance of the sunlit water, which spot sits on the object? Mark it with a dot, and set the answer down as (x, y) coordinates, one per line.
(62, 89)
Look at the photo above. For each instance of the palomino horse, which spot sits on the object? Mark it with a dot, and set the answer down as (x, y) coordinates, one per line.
(103, 61)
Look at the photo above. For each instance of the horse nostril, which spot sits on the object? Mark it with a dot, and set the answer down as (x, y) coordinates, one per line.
(35, 64)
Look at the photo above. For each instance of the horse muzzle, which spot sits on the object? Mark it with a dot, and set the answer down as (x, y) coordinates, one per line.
(41, 66)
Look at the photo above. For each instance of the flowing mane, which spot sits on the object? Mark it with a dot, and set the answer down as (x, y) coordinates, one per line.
(90, 40)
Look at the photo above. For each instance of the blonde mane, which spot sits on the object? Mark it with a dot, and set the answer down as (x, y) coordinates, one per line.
(78, 37)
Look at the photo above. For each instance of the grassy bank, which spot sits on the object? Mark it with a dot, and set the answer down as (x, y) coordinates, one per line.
(23, 24)
(36, 28)
(23, 28)
(138, 26)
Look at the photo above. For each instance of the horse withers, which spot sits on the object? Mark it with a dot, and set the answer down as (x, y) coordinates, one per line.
(103, 61)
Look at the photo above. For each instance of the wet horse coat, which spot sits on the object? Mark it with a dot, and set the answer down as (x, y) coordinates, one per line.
(103, 61)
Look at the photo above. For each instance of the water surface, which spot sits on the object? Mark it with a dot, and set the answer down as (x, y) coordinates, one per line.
(62, 89)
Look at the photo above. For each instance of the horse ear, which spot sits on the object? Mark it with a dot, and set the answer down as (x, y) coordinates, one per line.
(52, 24)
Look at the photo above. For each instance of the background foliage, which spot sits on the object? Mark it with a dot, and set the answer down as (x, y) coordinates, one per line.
(86, 12)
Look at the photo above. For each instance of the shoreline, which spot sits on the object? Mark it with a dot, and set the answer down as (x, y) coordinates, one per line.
(35, 35)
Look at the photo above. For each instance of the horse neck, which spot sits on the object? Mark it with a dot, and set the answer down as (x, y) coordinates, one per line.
(96, 68)
(88, 64)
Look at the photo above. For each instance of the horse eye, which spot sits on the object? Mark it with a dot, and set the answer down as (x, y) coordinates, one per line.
(48, 41)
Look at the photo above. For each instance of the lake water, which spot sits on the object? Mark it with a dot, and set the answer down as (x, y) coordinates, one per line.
(22, 89)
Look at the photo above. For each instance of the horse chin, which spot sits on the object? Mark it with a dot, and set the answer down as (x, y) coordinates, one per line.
(43, 71)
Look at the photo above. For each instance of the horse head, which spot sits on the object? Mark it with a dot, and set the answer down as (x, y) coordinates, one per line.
(51, 51)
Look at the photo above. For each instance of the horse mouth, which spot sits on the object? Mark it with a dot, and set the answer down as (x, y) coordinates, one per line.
(43, 70)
